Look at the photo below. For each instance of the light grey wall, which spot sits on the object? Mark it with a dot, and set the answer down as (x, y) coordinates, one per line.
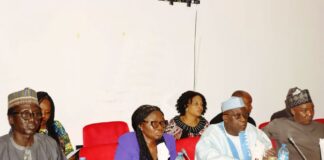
(100, 60)
(264, 47)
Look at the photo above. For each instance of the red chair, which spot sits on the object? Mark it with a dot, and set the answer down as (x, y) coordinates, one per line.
(103, 133)
(320, 120)
(263, 124)
(189, 144)
(99, 152)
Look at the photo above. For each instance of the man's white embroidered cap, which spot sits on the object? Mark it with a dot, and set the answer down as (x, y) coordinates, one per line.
(232, 103)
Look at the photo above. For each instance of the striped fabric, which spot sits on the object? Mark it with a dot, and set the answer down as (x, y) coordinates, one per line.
(26, 96)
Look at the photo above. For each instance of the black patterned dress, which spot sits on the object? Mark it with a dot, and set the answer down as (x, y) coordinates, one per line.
(180, 130)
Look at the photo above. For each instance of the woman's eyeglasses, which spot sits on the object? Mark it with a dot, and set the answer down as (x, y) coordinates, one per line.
(26, 115)
(155, 124)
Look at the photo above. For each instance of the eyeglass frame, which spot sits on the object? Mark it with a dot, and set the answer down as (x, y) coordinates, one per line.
(156, 124)
(237, 116)
(27, 115)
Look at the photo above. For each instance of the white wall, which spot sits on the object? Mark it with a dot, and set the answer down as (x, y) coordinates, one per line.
(100, 60)
(264, 47)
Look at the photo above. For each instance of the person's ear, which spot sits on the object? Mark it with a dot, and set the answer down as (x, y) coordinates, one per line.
(11, 120)
(140, 126)
(292, 111)
(225, 118)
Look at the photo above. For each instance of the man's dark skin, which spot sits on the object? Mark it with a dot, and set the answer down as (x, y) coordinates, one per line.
(23, 130)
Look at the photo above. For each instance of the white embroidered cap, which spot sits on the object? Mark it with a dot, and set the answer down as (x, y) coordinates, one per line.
(232, 103)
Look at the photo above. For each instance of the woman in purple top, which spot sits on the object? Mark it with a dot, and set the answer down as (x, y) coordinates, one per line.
(148, 141)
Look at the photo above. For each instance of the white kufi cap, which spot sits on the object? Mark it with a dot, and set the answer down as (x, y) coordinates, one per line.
(232, 103)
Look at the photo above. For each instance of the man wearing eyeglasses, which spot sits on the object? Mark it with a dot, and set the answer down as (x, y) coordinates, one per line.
(23, 143)
(247, 99)
(233, 138)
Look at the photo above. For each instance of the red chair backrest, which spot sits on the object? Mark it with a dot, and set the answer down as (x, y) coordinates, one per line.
(189, 144)
(320, 120)
(263, 125)
(99, 152)
(103, 133)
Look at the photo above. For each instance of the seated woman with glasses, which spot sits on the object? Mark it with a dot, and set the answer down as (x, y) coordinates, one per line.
(148, 141)
(191, 106)
(51, 127)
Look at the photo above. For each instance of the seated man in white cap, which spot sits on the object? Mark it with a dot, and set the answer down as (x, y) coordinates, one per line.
(23, 143)
(247, 99)
(300, 128)
(233, 138)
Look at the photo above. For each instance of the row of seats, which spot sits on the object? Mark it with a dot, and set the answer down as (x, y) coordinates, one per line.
(100, 140)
